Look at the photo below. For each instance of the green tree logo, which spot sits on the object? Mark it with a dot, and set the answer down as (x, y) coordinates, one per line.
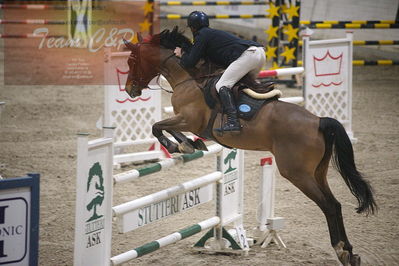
(96, 174)
(230, 157)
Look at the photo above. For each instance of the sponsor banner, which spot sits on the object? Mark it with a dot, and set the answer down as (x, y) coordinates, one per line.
(171, 206)
(65, 46)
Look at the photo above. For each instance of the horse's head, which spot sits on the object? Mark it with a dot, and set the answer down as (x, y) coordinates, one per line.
(145, 58)
(143, 64)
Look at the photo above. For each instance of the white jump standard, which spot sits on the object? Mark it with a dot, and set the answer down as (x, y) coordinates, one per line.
(267, 231)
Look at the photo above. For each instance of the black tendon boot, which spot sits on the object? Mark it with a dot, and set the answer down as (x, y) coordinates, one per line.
(229, 106)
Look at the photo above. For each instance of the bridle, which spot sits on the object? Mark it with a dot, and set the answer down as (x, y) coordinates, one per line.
(138, 78)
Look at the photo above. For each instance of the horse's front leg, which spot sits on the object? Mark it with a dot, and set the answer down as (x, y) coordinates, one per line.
(198, 144)
(173, 125)
(165, 141)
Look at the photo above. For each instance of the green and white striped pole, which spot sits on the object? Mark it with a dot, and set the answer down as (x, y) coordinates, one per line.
(167, 240)
(165, 164)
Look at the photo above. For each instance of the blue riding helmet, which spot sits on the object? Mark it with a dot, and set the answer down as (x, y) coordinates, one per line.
(197, 20)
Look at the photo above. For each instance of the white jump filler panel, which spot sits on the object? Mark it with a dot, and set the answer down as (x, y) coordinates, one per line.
(328, 80)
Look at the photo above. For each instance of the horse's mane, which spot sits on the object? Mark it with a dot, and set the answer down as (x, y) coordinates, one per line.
(172, 39)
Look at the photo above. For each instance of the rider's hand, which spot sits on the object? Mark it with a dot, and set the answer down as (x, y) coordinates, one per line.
(178, 51)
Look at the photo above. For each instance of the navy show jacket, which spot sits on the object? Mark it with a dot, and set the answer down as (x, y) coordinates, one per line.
(220, 47)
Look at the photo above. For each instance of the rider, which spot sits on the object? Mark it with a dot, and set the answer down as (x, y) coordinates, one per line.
(239, 57)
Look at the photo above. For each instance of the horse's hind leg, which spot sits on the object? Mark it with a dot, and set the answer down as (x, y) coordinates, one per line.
(308, 185)
(301, 171)
(343, 247)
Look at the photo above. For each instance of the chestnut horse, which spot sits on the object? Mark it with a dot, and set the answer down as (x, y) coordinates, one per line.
(302, 143)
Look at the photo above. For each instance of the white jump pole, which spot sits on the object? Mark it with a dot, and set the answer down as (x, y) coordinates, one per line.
(130, 206)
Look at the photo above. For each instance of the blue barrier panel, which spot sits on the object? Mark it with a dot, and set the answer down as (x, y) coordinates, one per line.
(19, 220)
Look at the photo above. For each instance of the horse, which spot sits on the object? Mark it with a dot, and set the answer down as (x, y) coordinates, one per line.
(302, 143)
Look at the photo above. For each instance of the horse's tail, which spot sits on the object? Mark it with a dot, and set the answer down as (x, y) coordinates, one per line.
(337, 140)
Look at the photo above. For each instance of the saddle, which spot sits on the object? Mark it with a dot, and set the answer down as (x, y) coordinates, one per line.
(245, 92)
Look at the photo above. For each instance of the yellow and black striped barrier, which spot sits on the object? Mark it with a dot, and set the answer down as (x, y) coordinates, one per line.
(370, 62)
(375, 62)
(380, 42)
(353, 26)
(212, 3)
(377, 42)
(219, 16)
(308, 22)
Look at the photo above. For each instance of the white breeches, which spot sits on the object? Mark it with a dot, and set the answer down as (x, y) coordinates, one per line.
(250, 62)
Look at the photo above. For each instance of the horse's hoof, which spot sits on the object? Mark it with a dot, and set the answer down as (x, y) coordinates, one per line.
(185, 147)
(200, 145)
(344, 258)
(343, 255)
(355, 260)
(172, 148)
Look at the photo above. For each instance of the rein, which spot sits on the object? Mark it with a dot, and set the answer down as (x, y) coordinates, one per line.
(165, 69)
(161, 67)
(195, 79)
(161, 88)
(159, 75)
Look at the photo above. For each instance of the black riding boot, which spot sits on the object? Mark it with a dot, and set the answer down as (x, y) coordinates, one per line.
(229, 107)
